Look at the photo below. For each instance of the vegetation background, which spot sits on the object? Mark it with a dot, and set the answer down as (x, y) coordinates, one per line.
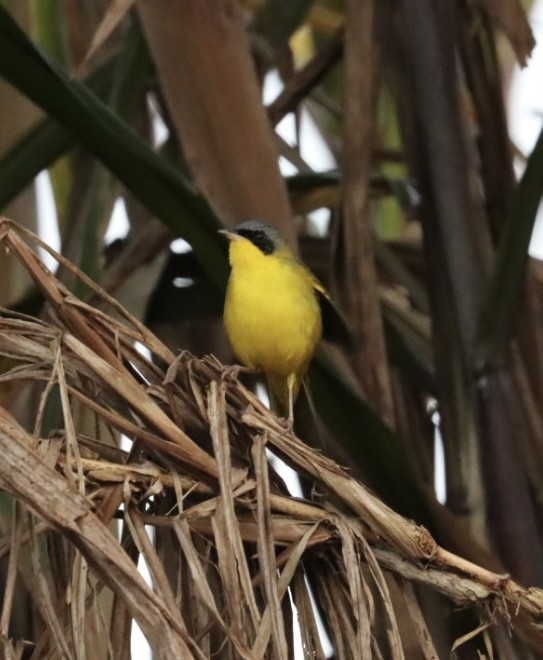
(425, 248)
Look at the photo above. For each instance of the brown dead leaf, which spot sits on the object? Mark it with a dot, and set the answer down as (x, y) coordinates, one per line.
(242, 545)
(115, 13)
(510, 16)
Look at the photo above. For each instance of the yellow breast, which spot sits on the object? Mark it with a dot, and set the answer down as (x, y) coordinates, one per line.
(272, 316)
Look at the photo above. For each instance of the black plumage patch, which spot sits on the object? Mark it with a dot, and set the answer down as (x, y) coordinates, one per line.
(259, 238)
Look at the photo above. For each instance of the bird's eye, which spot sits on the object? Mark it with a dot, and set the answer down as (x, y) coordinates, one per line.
(258, 238)
(263, 242)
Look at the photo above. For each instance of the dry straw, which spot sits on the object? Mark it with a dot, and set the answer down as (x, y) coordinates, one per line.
(227, 548)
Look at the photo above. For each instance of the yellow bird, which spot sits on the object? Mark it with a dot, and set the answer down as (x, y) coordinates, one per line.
(272, 311)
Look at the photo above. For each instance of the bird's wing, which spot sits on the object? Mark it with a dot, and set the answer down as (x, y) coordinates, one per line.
(334, 326)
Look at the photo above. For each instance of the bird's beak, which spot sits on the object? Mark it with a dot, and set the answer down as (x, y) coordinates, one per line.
(230, 235)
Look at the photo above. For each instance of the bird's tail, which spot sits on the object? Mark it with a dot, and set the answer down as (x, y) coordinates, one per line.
(278, 393)
(306, 421)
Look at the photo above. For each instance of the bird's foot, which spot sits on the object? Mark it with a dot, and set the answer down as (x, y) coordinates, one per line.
(287, 423)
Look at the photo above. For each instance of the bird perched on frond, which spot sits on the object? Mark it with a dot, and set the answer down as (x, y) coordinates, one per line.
(272, 311)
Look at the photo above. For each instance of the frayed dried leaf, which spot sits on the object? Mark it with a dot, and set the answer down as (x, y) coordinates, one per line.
(199, 474)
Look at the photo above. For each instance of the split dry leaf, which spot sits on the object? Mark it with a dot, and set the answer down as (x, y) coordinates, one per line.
(240, 547)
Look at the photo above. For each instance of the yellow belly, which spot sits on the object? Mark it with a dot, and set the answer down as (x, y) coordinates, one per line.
(272, 318)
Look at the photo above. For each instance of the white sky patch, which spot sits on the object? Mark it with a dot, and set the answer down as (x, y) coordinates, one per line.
(160, 130)
(47, 219)
(440, 479)
(118, 224)
(290, 476)
(180, 246)
(315, 151)
(139, 645)
(313, 148)
(125, 443)
(526, 110)
(182, 282)
(286, 167)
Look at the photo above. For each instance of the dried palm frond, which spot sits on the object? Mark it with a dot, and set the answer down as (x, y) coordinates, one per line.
(230, 552)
